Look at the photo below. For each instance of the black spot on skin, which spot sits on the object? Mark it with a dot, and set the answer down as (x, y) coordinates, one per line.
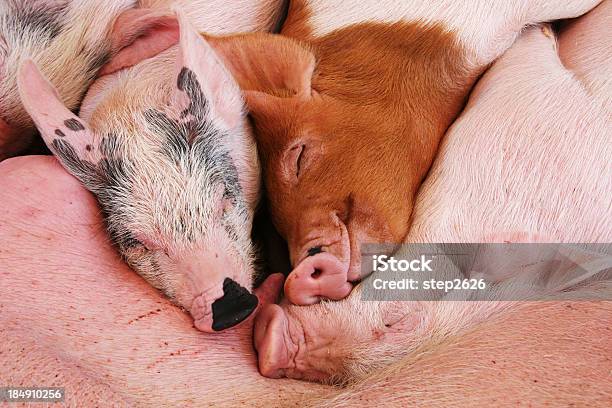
(84, 170)
(196, 142)
(196, 146)
(88, 148)
(315, 250)
(74, 125)
(98, 60)
(108, 179)
(231, 231)
(188, 83)
(109, 146)
(60, 133)
(126, 240)
(43, 21)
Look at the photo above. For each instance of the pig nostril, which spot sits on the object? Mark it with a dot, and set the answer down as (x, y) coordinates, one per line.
(315, 250)
(316, 273)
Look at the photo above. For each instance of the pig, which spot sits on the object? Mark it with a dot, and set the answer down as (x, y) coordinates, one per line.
(73, 315)
(349, 107)
(534, 122)
(68, 39)
(164, 143)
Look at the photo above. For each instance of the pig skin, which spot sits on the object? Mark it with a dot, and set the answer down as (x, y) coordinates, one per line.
(71, 57)
(163, 141)
(540, 124)
(584, 49)
(539, 354)
(75, 316)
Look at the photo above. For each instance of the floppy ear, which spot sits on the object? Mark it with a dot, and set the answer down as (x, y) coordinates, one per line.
(265, 108)
(204, 85)
(273, 117)
(66, 135)
(268, 63)
(139, 34)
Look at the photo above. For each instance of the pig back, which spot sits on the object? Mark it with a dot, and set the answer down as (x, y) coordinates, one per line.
(530, 153)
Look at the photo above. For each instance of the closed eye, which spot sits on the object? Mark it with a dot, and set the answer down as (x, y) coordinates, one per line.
(298, 161)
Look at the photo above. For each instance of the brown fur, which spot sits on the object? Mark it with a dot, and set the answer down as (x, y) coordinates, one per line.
(297, 25)
(378, 103)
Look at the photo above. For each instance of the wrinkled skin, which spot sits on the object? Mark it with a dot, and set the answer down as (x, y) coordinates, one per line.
(73, 315)
(514, 120)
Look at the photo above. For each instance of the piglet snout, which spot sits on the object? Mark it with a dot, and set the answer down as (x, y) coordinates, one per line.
(236, 304)
(221, 308)
(318, 276)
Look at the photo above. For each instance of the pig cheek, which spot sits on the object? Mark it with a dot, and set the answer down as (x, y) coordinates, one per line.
(149, 265)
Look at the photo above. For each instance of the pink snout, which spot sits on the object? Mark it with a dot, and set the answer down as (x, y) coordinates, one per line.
(318, 276)
(223, 307)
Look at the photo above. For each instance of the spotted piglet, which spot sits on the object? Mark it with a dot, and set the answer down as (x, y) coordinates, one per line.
(166, 147)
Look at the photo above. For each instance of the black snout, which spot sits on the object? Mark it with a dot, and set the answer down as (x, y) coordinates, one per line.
(236, 305)
(315, 250)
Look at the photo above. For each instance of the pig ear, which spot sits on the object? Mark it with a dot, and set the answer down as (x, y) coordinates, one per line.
(139, 34)
(268, 63)
(263, 106)
(66, 135)
(270, 113)
(204, 84)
